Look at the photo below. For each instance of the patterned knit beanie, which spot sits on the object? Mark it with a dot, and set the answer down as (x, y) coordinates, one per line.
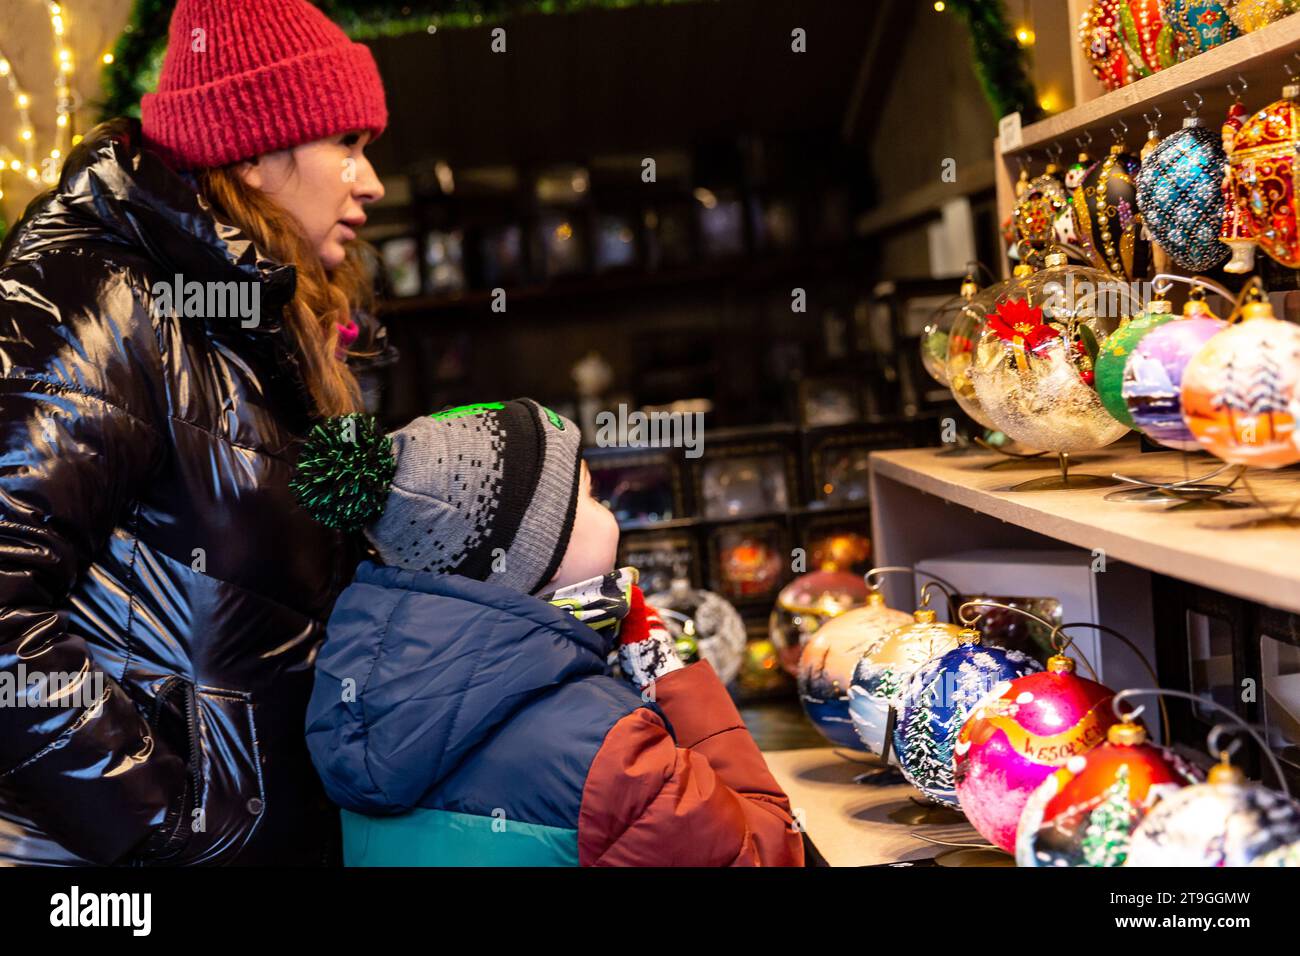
(246, 77)
(488, 491)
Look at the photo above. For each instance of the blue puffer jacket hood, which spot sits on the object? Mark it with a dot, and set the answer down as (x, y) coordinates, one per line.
(419, 669)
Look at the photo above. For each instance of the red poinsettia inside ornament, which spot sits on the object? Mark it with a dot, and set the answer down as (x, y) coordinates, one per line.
(1016, 319)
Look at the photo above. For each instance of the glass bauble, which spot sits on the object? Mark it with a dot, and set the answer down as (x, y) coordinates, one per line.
(1180, 195)
(885, 667)
(1250, 15)
(1115, 353)
(827, 662)
(1106, 210)
(760, 670)
(1201, 25)
(1240, 396)
(1033, 369)
(706, 621)
(1017, 736)
(1225, 821)
(1152, 387)
(939, 697)
(1099, 37)
(1085, 812)
(808, 602)
(967, 325)
(1264, 168)
(934, 337)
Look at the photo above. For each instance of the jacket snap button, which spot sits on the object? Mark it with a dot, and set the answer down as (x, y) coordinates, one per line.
(255, 806)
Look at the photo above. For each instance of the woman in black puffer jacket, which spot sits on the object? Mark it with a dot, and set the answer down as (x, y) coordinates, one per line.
(161, 594)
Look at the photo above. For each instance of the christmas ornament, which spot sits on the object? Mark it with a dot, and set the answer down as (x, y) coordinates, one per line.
(827, 662)
(841, 551)
(761, 673)
(805, 604)
(1152, 380)
(1179, 192)
(939, 697)
(1263, 160)
(1200, 24)
(1037, 212)
(1085, 812)
(1074, 176)
(1116, 352)
(1149, 43)
(934, 337)
(1102, 46)
(966, 328)
(1288, 855)
(1033, 370)
(1238, 391)
(750, 566)
(1249, 15)
(1110, 225)
(885, 668)
(1017, 736)
(1236, 231)
(1225, 821)
(704, 624)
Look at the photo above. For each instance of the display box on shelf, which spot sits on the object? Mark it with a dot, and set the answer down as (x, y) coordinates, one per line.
(841, 540)
(662, 556)
(642, 487)
(749, 561)
(1088, 589)
(745, 476)
(837, 471)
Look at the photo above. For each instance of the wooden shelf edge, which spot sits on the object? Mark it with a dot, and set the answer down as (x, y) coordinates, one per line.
(1255, 55)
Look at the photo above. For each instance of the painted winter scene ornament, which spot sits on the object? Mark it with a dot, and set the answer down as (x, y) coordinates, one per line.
(1239, 391)
(939, 697)
(885, 668)
(1152, 386)
(1225, 821)
(827, 662)
(1085, 812)
(1017, 736)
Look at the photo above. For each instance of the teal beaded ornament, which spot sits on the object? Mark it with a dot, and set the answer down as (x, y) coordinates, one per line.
(1179, 193)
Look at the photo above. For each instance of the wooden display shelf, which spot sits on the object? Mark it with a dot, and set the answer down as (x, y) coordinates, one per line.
(913, 492)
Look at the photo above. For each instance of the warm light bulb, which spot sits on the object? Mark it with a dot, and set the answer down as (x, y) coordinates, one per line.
(66, 66)
(25, 136)
(4, 67)
(65, 55)
(57, 22)
(24, 101)
(31, 173)
(55, 154)
(15, 165)
(76, 139)
(1025, 36)
(108, 58)
(55, 9)
(63, 119)
(939, 6)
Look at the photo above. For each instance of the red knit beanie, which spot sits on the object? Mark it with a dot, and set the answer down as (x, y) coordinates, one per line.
(246, 77)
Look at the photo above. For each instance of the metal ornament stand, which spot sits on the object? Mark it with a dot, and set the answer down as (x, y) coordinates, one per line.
(1064, 481)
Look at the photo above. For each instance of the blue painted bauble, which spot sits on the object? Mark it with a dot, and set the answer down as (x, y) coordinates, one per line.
(1179, 192)
(935, 704)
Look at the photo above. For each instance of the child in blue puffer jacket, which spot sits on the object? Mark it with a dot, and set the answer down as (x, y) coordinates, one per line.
(464, 712)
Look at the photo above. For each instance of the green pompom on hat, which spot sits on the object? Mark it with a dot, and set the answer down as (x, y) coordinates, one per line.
(345, 472)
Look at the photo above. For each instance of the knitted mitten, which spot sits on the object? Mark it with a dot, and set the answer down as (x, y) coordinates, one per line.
(646, 651)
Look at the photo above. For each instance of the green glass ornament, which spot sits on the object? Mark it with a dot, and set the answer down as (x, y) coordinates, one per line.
(1115, 352)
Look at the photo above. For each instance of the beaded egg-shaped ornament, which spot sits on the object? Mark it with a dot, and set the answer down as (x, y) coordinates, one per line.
(967, 326)
(884, 669)
(1116, 351)
(1109, 221)
(936, 702)
(1250, 15)
(1152, 386)
(827, 662)
(1200, 24)
(1264, 167)
(1149, 43)
(1084, 813)
(1044, 201)
(1241, 391)
(1017, 736)
(1179, 192)
(1100, 40)
(1226, 821)
(1033, 370)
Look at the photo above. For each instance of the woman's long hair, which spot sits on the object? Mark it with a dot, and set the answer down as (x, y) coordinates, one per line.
(322, 299)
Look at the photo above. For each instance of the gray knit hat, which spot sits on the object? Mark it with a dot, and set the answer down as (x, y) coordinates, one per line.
(488, 491)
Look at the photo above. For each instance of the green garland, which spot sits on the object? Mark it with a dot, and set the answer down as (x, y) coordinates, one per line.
(1000, 62)
(137, 58)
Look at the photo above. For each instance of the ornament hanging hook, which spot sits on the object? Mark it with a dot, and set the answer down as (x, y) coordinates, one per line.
(1154, 124)
(1085, 141)
(1200, 101)
(1236, 93)
(884, 569)
(1119, 137)
(1213, 738)
(1054, 153)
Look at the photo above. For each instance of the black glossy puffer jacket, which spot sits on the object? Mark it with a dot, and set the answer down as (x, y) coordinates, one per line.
(150, 550)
